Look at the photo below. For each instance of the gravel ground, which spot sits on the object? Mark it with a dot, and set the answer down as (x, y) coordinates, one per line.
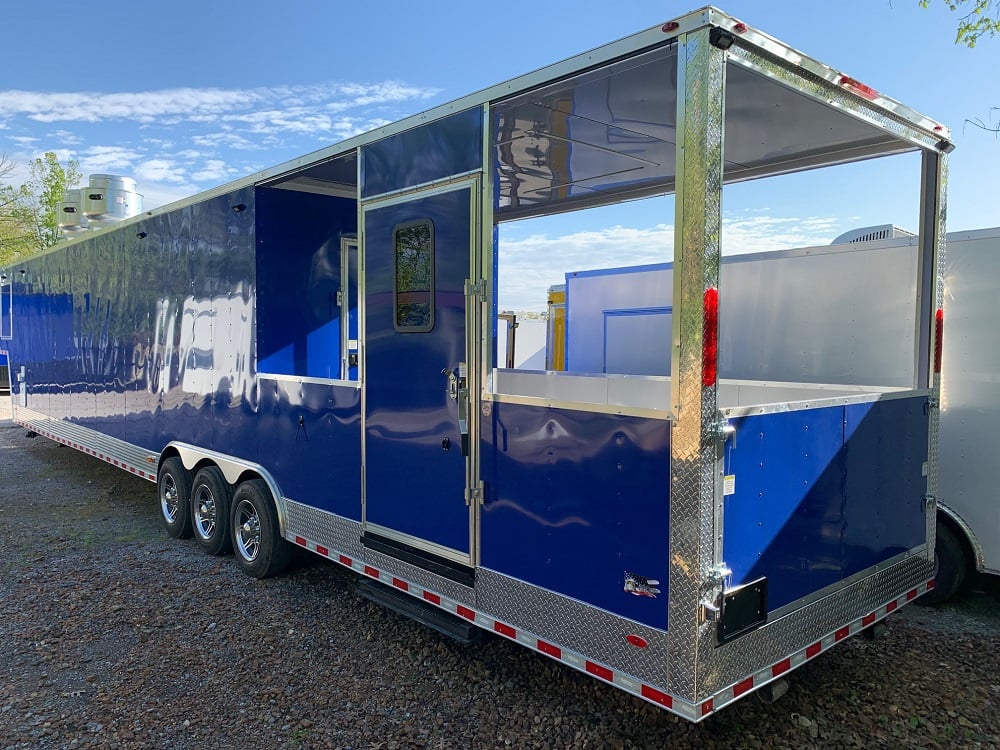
(116, 637)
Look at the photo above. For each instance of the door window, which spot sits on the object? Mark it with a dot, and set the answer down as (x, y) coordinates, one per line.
(413, 285)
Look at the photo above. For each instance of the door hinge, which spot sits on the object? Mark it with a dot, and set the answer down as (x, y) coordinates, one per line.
(474, 493)
(475, 288)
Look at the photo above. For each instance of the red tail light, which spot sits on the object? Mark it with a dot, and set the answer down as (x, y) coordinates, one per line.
(859, 88)
(938, 339)
(710, 338)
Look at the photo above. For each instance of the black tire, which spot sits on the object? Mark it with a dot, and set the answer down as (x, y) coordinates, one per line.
(950, 565)
(260, 550)
(211, 504)
(173, 489)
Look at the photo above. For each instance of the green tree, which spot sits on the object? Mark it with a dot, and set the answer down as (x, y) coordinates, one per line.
(15, 234)
(980, 18)
(29, 221)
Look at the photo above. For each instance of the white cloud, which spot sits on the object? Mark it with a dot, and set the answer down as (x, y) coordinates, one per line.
(160, 170)
(225, 139)
(289, 108)
(108, 159)
(65, 136)
(214, 170)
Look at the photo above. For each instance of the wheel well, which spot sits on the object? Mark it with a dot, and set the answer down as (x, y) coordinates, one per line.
(168, 452)
(959, 533)
(229, 466)
(202, 464)
(279, 507)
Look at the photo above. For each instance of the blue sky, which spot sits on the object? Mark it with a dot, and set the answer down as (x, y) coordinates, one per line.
(185, 96)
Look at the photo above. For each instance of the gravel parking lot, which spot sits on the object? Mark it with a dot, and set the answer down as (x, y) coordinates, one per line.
(116, 637)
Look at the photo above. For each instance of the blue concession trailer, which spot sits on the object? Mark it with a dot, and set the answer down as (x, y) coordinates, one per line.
(308, 357)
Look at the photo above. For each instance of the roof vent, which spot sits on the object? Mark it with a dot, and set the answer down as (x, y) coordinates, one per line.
(867, 234)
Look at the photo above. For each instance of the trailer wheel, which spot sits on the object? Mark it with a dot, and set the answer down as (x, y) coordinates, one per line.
(173, 484)
(211, 498)
(949, 567)
(260, 550)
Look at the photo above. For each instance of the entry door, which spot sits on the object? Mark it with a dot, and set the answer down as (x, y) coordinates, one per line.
(417, 254)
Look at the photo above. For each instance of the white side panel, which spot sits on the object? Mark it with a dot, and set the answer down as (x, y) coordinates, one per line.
(970, 388)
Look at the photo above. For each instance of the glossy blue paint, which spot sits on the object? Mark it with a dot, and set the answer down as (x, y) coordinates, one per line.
(574, 499)
(310, 439)
(822, 494)
(151, 339)
(445, 147)
(415, 470)
(298, 277)
(886, 448)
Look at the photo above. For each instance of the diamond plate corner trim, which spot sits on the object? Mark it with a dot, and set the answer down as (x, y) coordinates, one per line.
(701, 95)
(934, 427)
(126, 456)
(727, 665)
(572, 624)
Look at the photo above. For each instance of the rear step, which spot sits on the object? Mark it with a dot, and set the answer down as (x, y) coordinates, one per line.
(427, 614)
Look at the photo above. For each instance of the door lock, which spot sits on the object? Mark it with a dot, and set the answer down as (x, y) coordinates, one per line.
(452, 383)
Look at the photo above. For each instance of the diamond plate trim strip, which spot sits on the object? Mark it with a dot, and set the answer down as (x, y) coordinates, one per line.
(780, 667)
(126, 456)
(423, 578)
(575, 625)
(726, 665)
(326, 531)
(336, 537)
(493, 584)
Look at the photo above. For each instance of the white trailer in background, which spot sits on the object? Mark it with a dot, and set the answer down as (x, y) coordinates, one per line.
(614, 316)
(969, 503)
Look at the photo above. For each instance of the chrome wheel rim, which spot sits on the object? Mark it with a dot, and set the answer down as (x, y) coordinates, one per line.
(169, 504)
(247, 531)
(205, 512)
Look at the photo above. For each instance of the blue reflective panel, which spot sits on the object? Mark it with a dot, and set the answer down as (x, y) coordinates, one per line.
(449, 146)
(149, 339)
(576, 499)
(310, 438)
(886, 447)
(785, 520)
(822, 494)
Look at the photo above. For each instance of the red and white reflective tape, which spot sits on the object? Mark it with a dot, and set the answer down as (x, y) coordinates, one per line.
(779, 669)
(692, 711)
(148, 475)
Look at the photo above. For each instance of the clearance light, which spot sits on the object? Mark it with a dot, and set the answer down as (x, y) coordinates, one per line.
(859, 88)
(938, 337)
(740, 28)
(670, 26)
(710, 338)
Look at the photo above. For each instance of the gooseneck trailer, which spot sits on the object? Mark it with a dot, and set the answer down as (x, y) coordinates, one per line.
(309, 357)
